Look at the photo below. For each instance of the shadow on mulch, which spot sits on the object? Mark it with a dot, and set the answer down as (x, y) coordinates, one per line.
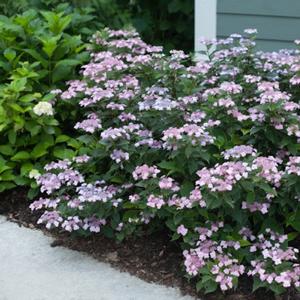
(152, 258)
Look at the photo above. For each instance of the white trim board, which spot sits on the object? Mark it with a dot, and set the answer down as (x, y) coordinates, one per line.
(205, 21)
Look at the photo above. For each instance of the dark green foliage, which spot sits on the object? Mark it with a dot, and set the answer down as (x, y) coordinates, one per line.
(161, 22)
(164, 22)
(39, 50)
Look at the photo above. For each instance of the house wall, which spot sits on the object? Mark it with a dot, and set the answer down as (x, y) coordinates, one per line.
(277, 21)
(205, 21)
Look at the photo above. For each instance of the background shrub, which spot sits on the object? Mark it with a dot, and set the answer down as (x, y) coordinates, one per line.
(160, 22)
(38, 52)
(208, 150)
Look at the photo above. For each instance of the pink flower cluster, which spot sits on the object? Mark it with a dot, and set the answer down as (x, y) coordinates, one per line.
(196, 134)
(239, 152)
(187, 145)
(256, 206)
(89, 125)
(223, 177)
(268, 169)
(145, 172)
(273, 252)
(293, 165)
(225, 268)
(74, 223)
(168, 183)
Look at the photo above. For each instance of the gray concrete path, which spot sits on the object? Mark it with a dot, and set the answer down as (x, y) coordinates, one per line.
(31, 270)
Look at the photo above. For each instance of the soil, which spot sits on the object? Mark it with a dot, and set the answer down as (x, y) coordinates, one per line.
(152, 258)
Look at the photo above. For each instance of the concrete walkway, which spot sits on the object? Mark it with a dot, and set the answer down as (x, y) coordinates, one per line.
(31, 270)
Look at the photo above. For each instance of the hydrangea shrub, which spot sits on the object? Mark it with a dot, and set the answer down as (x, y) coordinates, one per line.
(209, 150)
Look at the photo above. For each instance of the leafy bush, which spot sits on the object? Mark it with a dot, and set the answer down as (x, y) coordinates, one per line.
(11, 7)
(209, 150)
(36, 56)
(21, 36)
(162, 22)
(96, 14)
(27, 126)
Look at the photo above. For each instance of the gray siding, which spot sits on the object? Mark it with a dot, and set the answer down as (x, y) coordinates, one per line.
(277, 21)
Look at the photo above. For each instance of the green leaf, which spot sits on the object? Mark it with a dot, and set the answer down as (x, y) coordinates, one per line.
(39, 150)
(294, 220)
(2, 127)
(214, 202)
(248, 186)
(6, 186)
(17, 107)
(63, 68)
(3, 167)
(267, 188)
(257, 284)
(5, 66)
(51, 122)
(30, 97)
(170, 165)
(244, 243)
(33, 128)
(50, 44)
(37, 56)
(68, 63)
(21, 181)
(26, 168)
(273, 224)
(74, 144)
(56, 22)
(292, 236)
(205, 155)
(7, 176)
(188, 151)
(6, 150)
(32, 193)
(177, 218)
(64, 153)
(18, 85)
(62, 139)
(117, 179)
(170, 224)
(207, 284)
(277, 289)
(22, 155)
(130, 214)
(9, 54)
(250, 197)
(175, 237)
(186, 188)
(107, 231)
(60, 73)
(228, 200)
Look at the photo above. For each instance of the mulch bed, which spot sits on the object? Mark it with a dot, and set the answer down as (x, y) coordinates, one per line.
(152, 258)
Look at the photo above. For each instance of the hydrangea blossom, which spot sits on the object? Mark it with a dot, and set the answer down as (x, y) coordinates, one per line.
(89, 125)
(43, 108)
(182, 230)
(145, 172)
(51, 219)
(182, 144)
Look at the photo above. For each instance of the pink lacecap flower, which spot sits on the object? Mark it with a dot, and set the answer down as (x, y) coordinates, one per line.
(182, 230)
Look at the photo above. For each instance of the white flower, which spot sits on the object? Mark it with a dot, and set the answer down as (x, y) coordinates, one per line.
(250, 30)
(43, 108)
(34, 174)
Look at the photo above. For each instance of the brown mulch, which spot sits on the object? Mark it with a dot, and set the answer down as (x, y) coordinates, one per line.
(152, 258)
